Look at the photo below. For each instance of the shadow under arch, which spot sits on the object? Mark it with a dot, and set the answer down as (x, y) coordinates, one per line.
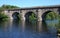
(44, 15)
(29, 14)
(15, 15)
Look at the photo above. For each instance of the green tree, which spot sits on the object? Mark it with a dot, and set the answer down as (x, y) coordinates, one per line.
(3, 7)
(51, 16)
(32, 17)
(3, 17)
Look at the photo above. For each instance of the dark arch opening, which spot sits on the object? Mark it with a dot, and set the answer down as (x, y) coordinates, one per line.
(28, 14)
(15, 15)
(44, 15)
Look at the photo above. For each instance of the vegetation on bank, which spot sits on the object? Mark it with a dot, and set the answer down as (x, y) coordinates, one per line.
(3, 17)
(54, 16)
(4, 7)
(51, 16)
(32, 18)
(18, 17)
(59, 17)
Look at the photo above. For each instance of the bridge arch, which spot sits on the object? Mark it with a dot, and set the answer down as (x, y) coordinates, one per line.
(27, 14)
(15, 15)
(44, 14)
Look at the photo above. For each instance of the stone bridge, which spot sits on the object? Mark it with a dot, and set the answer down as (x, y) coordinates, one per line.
(40, 12)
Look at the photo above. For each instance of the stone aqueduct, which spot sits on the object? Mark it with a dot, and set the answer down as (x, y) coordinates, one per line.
(38, 11)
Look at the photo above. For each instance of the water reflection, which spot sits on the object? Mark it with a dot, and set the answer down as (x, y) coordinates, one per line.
(22, 29)
(39, 26)
(42, 27)
(23, 25)
(52, 25)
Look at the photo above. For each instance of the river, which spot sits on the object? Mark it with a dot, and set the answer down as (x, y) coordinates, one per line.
(22, 29)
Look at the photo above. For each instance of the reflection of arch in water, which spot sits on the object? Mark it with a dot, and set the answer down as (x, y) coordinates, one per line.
(28, 14)
(44, 14)
(15, 15)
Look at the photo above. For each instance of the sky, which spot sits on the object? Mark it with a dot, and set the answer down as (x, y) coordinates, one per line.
(29, 3)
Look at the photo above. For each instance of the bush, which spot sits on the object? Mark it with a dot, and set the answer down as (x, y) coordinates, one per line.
(3, 16)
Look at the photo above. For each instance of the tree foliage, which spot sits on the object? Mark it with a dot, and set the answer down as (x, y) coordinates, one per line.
(51, 16)
(32, 17)
(3, 16)
(3, 7)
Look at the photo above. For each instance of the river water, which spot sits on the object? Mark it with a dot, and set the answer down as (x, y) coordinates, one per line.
(22, 29)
